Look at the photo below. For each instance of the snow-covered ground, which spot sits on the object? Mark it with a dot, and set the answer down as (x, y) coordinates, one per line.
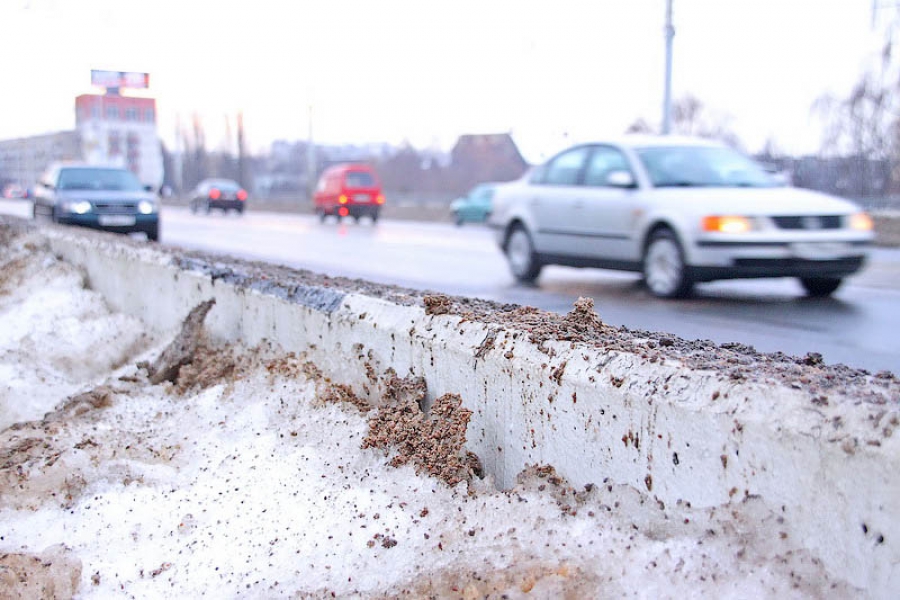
(246, 481)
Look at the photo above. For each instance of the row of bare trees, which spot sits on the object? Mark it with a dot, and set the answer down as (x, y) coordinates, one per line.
(192, 161)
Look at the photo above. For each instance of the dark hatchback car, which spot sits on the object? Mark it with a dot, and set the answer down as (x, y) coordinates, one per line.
(223, 194)
(99, 197)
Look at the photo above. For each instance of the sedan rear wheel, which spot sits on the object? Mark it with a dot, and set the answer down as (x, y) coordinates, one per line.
(523, 262)
(819, 287)
(664, 270)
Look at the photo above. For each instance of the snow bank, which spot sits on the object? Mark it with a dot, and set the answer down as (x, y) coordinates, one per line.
(253, 487)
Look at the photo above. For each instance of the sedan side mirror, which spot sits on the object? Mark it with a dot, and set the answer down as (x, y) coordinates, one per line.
(622, 179)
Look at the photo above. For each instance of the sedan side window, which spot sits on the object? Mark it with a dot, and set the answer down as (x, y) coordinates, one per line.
(566, 168)
(603, 161)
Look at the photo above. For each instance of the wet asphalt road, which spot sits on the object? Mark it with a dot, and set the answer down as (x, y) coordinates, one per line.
(859, 326)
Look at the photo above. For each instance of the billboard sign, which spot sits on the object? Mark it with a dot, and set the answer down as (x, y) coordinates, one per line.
(120, 79)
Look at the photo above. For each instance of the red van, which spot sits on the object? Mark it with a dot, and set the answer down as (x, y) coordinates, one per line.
(349, 190)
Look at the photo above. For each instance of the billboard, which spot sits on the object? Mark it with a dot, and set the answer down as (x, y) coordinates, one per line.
(120, 79)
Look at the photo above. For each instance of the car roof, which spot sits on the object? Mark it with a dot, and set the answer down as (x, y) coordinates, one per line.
(84, 165)
(349, 167)
(219, 181)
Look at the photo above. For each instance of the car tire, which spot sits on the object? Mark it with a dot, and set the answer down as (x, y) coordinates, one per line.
(519, 249)
(665, 273)
(820, 287)
(153, 234)
(375, 216)
(193, 207)
(457, 218)
(208, 208)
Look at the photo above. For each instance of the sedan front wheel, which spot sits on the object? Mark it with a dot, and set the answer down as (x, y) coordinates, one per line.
(664, 270)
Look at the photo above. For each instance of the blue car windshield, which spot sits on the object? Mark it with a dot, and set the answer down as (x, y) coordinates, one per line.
(116, 180)
(702, 166)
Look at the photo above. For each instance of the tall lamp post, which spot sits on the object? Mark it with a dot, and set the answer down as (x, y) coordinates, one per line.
(310, 158)
(667, 94)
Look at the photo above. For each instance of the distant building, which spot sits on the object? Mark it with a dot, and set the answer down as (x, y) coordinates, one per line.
(22, 160)
(487, 157)
(109, 129)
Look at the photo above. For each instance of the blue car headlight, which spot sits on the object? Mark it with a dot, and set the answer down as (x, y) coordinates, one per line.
(145, 207)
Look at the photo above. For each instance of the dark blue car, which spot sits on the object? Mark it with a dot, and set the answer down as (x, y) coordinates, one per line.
(107, 198)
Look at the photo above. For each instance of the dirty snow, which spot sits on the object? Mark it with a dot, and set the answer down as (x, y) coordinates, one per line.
(252, 485)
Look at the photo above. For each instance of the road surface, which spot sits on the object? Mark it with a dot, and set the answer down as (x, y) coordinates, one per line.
(857, 326)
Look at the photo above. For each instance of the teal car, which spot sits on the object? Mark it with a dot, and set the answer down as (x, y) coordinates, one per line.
(474, 207)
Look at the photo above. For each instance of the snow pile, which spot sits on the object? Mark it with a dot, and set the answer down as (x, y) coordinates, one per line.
(247, 477)
(61, 331)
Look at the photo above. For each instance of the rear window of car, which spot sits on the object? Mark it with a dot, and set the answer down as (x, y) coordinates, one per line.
(224, 185)
(116, 180)
(359, 179)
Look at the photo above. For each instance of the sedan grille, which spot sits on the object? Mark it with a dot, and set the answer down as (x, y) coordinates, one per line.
(115, 208)
(809, 222)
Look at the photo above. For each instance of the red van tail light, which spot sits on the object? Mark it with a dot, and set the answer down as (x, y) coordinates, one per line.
(343, 211)
(214, 194)
(342, 199)
(380, 199)
(242, 195)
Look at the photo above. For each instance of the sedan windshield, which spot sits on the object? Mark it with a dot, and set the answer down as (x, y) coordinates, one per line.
(701, 166)
(117, 180)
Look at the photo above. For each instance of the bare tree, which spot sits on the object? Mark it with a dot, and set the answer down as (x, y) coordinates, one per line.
(196, 158)
(865, 126)
(690, 116)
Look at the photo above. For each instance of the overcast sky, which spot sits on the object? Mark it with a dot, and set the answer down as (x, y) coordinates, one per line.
(427, 71)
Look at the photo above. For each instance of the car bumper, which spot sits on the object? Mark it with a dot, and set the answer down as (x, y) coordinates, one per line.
(817, 258)
(114, 223)
(363, 210)
(227, 204)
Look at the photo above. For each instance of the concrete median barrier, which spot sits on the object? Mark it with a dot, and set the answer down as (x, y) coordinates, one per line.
(685, 423)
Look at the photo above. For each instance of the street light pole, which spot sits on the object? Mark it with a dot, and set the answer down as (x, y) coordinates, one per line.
(310, 158)
(667, 95)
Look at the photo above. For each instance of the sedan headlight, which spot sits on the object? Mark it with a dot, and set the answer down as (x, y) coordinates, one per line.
(728, 224)
(79, 207)
(861, 222)
(145, 207)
